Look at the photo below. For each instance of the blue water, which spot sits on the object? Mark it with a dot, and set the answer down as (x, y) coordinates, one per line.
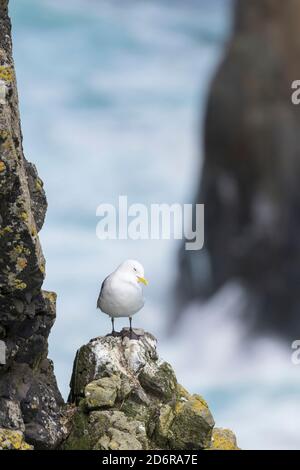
(112, 95)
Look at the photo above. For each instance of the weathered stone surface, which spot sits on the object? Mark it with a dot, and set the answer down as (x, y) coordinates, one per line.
(106, 430)
(102, 392)
(192, 424)
(112, 356)
(10, 414)
(128, 398)
(191, 414)
(22, 264)
(160, 381)
(223, 439)
(251, 172)
(13, 440)
(29, 397)
(37, 195)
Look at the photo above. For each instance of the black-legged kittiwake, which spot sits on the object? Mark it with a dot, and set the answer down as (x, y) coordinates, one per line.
(121, 293)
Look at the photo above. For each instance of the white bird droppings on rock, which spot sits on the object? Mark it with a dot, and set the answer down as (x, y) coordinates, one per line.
(3, 92)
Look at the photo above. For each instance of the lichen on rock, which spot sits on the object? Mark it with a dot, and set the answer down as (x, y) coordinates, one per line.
(223, 439)
(13, 440)
(102, 392)
(126, 397)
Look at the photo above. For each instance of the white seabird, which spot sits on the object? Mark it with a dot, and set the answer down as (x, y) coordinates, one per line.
(121, 293)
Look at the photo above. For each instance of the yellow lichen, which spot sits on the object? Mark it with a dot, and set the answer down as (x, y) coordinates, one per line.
(5, 230)
(178, 407)
(200, 400)
(4, 134)
(18, 249)
(13, 440)
(21, 263)
(39, 184)
(2, 167)
(223, 439)
(24, 216)
(21, 249)
(194, 402)
(6, 73)
(33, 231)
(20, 285)
(198, 404)
(182, 392)
(50, 296)
(42, 267)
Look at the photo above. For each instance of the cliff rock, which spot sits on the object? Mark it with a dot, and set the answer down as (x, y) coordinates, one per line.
(123, 396)
(251, 173)
(29, 398)
(13, 440)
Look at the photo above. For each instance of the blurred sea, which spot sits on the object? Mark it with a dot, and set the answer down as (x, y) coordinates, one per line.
(112, 96)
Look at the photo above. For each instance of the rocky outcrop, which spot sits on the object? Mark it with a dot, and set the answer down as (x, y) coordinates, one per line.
(29, 398)
(251, 171)
(123, 396)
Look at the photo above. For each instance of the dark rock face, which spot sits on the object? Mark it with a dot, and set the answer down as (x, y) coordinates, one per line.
(251, 171)
(29, 398)
(123, 396)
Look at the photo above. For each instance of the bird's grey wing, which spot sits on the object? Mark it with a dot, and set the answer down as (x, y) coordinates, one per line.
(101, 291)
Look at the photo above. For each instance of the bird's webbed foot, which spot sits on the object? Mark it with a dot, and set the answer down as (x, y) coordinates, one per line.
(130, 334)
(114, 333)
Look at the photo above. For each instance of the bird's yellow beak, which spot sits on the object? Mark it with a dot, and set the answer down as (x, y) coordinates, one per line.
(143, 280)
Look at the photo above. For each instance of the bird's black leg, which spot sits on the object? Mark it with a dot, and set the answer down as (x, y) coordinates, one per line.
(130, 333)
(113, 326)
(113, 331)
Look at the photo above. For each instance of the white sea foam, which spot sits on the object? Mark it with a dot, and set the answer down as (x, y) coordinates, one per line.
(251, 385)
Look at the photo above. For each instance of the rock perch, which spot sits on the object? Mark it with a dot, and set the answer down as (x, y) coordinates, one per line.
(125, 397)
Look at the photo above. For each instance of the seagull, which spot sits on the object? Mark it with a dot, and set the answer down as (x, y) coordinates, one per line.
(121, 293)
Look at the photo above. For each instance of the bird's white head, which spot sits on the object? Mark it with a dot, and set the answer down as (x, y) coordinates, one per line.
(134, 270)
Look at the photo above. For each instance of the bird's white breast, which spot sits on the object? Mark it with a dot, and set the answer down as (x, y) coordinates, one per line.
(120, 298)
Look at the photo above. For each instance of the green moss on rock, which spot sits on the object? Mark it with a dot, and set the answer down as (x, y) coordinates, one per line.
(106, 430)
(161, 381)
(80, 437)
(192, 425)
(102, 392)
